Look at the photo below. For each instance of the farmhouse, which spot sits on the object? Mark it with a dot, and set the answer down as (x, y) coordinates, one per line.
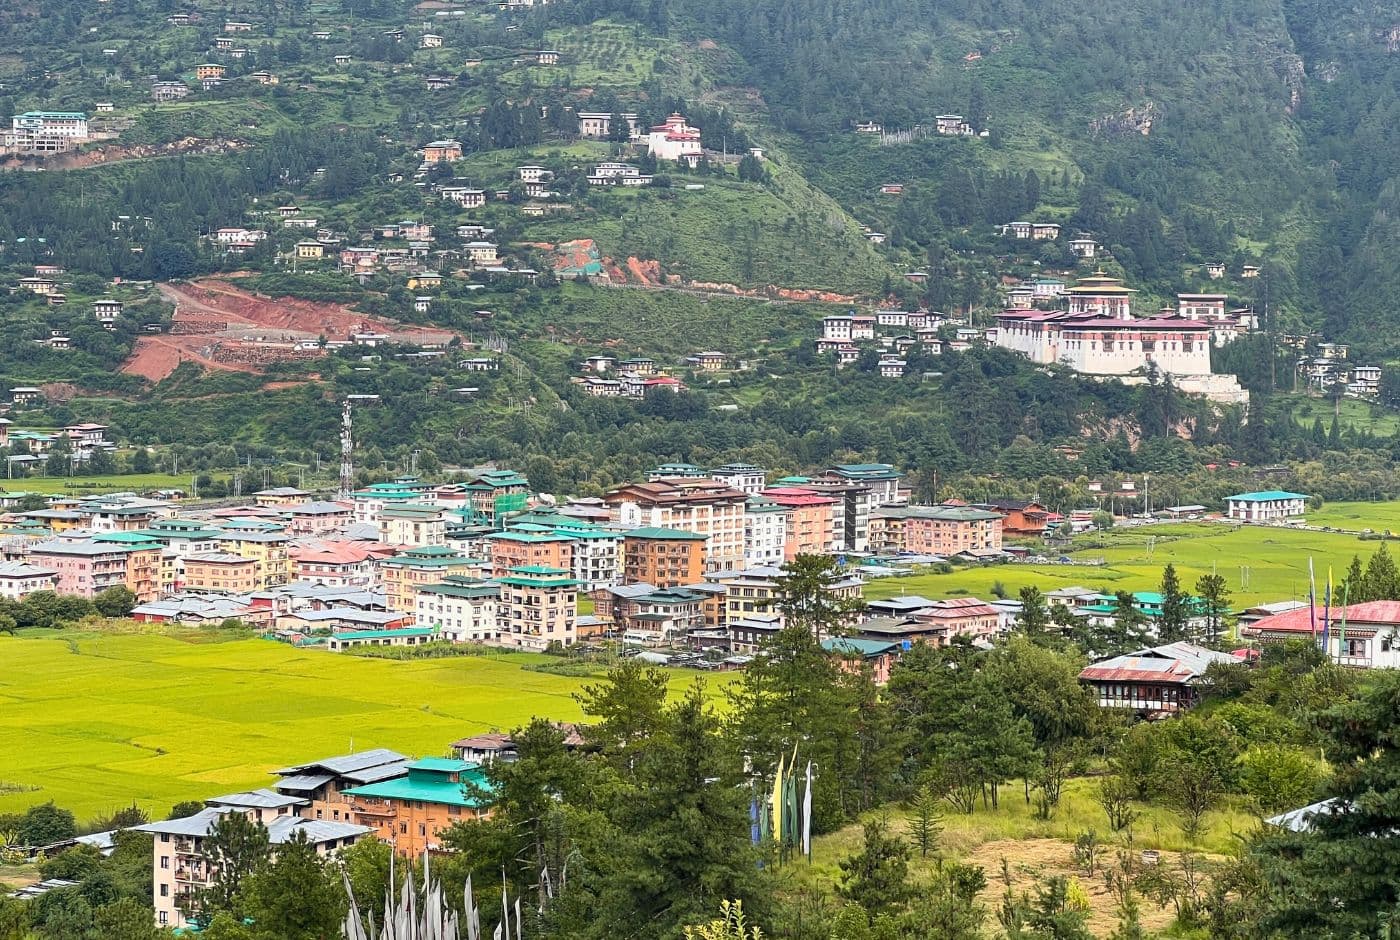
(1161, 680)
(1364, 636)
(675, 140)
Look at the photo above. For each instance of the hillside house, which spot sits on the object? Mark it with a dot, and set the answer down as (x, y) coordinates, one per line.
(618, 174)
(1084, 248)
(169, 91)
(431, 41)
(598, 124)
(209, 70)
(676, 141)
(953, 125)
(1215, 270)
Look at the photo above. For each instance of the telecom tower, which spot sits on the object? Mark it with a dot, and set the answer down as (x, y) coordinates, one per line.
(347, 452)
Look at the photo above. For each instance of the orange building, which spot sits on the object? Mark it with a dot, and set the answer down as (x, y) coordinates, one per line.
(811, 527)
(662, 557)
(222, 572)
(411, 811)
(530, 549)
(406, 572)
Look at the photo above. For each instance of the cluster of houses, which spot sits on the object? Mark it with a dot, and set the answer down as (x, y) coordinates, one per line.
(607, 377)
(29, 447)
(894, 333)
(1329, 368)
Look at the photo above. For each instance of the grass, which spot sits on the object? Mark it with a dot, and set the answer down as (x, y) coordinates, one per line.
(1355, 414)
(98, 721)
(111, 483)
(1038, 848)
(1260, 563)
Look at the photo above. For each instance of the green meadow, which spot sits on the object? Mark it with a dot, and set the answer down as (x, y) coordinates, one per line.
(1260, 563)
(98, 721)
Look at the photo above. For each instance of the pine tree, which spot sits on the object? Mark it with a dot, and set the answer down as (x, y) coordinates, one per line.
(1382, 578)
(877, 877)
(1215, 603)
(296, 896)
(1034, 616)
(1172, 624)
(926, 825)
(234, 848)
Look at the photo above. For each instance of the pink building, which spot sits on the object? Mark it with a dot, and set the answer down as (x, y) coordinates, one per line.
(85, 568)
(319, 517)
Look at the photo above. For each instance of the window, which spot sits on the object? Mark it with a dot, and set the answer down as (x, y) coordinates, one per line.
(422, 829)
(165, 861)
(403, 828)
(164, 917)
(165, 891)
(165, 837)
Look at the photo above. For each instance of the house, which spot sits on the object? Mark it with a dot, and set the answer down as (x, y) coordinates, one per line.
(182, 869)
(891, 367)
(1249, 270)
(341, 640)
(209, 70)
(318, 517)
(1158, 681)
(413, 524)
(675, 140)
(533, 174)
(106, 311)
(440, 150)
(431, 41)
(279, 496)
(858, 655)
(751, 591)
(236, 27)
(547, 57)
(425, 280)
(342, 59)
(869, 127)
(465, 196)
(267, 548)
(409, 812)
(479, 252)
(169, 91)
(618, 174)
(1019, 516)
(1083, 247)
(309, 250)
(598, 124)
(1266, 506)
(707, 361)
(1215, 270)
(1364, 636)
(263, 78)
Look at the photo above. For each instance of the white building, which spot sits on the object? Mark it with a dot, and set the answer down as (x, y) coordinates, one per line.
(1363, 636)
(675, 140)
(741, 476)
(1266, 506)
(463, 610)
(765, 533)
(71, 124)
(618, 174)
(18, 579)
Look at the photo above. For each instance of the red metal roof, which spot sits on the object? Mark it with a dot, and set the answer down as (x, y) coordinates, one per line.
(1367, 616)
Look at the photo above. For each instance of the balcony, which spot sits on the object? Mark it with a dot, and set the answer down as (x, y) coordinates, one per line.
(374, 810)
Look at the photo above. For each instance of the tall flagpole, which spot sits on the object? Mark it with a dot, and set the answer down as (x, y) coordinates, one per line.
(1312, 601)
(1342, 631)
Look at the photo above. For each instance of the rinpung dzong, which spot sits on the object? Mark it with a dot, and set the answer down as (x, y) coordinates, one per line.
(1098, 335)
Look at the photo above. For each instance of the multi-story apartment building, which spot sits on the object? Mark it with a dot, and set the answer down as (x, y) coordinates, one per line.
(413, 524)
(539, 607)
(268, 548)
(19, 579)
(662, 557)
(221, 573)
(741, 476)
(765, 532)
(403, 574)
(322, 783)
(934, 530)
(84, 567)
(757, 591)
(706, 507)
(812, 527)
(462, 610)
(318, 517)
(181, 868)
(515, 548)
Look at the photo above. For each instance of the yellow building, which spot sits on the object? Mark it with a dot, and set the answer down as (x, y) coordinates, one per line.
(309, 249)
(405, 573)
(268, 549)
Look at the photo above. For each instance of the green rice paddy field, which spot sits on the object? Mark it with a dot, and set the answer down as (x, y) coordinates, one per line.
(1260, 563)
(98, 721)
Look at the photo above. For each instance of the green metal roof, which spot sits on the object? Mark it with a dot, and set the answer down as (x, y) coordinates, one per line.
(379, 634)
(1265, 496)
(467, 590)
(857, 647)
(430, 780)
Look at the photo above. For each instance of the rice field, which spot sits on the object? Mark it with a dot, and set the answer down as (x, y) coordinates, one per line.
(99, 721)
(1260, 563)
